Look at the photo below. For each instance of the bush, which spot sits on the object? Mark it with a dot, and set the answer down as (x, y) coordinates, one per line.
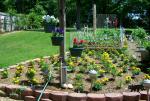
(139, 33)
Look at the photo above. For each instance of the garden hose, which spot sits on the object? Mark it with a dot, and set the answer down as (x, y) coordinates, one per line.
(49, 78)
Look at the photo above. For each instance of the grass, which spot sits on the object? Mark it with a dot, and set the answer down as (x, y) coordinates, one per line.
(25, 45)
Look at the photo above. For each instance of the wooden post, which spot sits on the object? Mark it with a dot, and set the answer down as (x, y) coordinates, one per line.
(62, 19)
(94, 16)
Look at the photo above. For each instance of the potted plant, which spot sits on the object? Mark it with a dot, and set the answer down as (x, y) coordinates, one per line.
(57, 37)
(77, 48)
(50, 22)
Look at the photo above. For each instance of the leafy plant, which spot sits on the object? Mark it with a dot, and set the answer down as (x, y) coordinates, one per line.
(128, 79)
(120, 84)
(4, 73)
(135, 71)
(78, 43)
(30, 75)
(104, 80)
(101, 72)
(16, 80)
(79, 86)
(97, 85)
(140, 33)
(19, 70)
(78, 83)
(79, 77)
(146, 76)
(125, 68)
(58, 32)
(50, 20)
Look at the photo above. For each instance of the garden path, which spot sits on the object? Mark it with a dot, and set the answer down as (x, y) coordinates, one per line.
(132, 49)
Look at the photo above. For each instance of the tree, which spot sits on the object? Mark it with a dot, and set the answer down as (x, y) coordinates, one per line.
(78, 4)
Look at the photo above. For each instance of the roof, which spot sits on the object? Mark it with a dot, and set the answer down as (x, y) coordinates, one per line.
(4, 14)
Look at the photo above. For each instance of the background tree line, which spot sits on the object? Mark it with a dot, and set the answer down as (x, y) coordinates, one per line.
(33, 10)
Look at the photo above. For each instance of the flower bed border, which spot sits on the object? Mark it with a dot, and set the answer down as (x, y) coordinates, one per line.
(32, 94)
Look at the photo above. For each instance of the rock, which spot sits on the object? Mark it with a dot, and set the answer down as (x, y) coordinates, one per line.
(70, 86)
(64, 86)
(2, 93)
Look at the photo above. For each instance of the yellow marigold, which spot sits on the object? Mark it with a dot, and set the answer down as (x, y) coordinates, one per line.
(71, 64)
(128, 79)
(101, 71)
(146, 76)
(16, 80)
(104, 80)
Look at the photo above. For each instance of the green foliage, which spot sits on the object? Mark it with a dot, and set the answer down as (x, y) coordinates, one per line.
(120, 84)
(97, 85)
(139, 33)
(21, 21)
(78, 83)
(79, 86)
(4, 73)
(30, 73)
(16, 80)
(79, 77)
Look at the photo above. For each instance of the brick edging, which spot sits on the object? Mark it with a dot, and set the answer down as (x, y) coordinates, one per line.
(29, 93)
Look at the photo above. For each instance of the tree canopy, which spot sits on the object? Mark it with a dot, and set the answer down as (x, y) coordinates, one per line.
(122, 8)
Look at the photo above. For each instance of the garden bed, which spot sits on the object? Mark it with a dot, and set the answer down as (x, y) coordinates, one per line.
(115, 71)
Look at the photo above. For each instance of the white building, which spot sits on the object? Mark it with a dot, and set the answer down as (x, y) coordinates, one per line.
(5, 23)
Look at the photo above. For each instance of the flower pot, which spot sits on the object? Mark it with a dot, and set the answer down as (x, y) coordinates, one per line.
(48, 28)
(76, 51)
(56, 41)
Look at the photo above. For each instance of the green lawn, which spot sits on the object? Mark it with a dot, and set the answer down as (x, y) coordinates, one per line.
(25, 45)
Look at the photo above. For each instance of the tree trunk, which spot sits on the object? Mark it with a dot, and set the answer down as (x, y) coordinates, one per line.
(78, 4)
(11, 23)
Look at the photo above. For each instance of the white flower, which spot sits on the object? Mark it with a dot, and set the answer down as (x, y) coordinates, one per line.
(48, 19)
(44, 17)
(57, 20)
(52, 17)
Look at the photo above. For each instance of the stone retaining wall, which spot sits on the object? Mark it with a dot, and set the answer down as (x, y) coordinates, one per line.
(29, 94)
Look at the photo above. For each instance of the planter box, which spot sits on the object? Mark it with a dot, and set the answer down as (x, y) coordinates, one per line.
(48, 28)
(76, 51)
(56, 41)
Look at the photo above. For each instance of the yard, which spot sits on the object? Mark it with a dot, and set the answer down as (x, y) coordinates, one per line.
(25, 45)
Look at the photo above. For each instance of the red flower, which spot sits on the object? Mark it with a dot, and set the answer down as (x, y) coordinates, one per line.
(81, 41)
(75, 41)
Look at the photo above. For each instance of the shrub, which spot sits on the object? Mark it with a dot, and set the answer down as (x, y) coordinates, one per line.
(140, 33)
